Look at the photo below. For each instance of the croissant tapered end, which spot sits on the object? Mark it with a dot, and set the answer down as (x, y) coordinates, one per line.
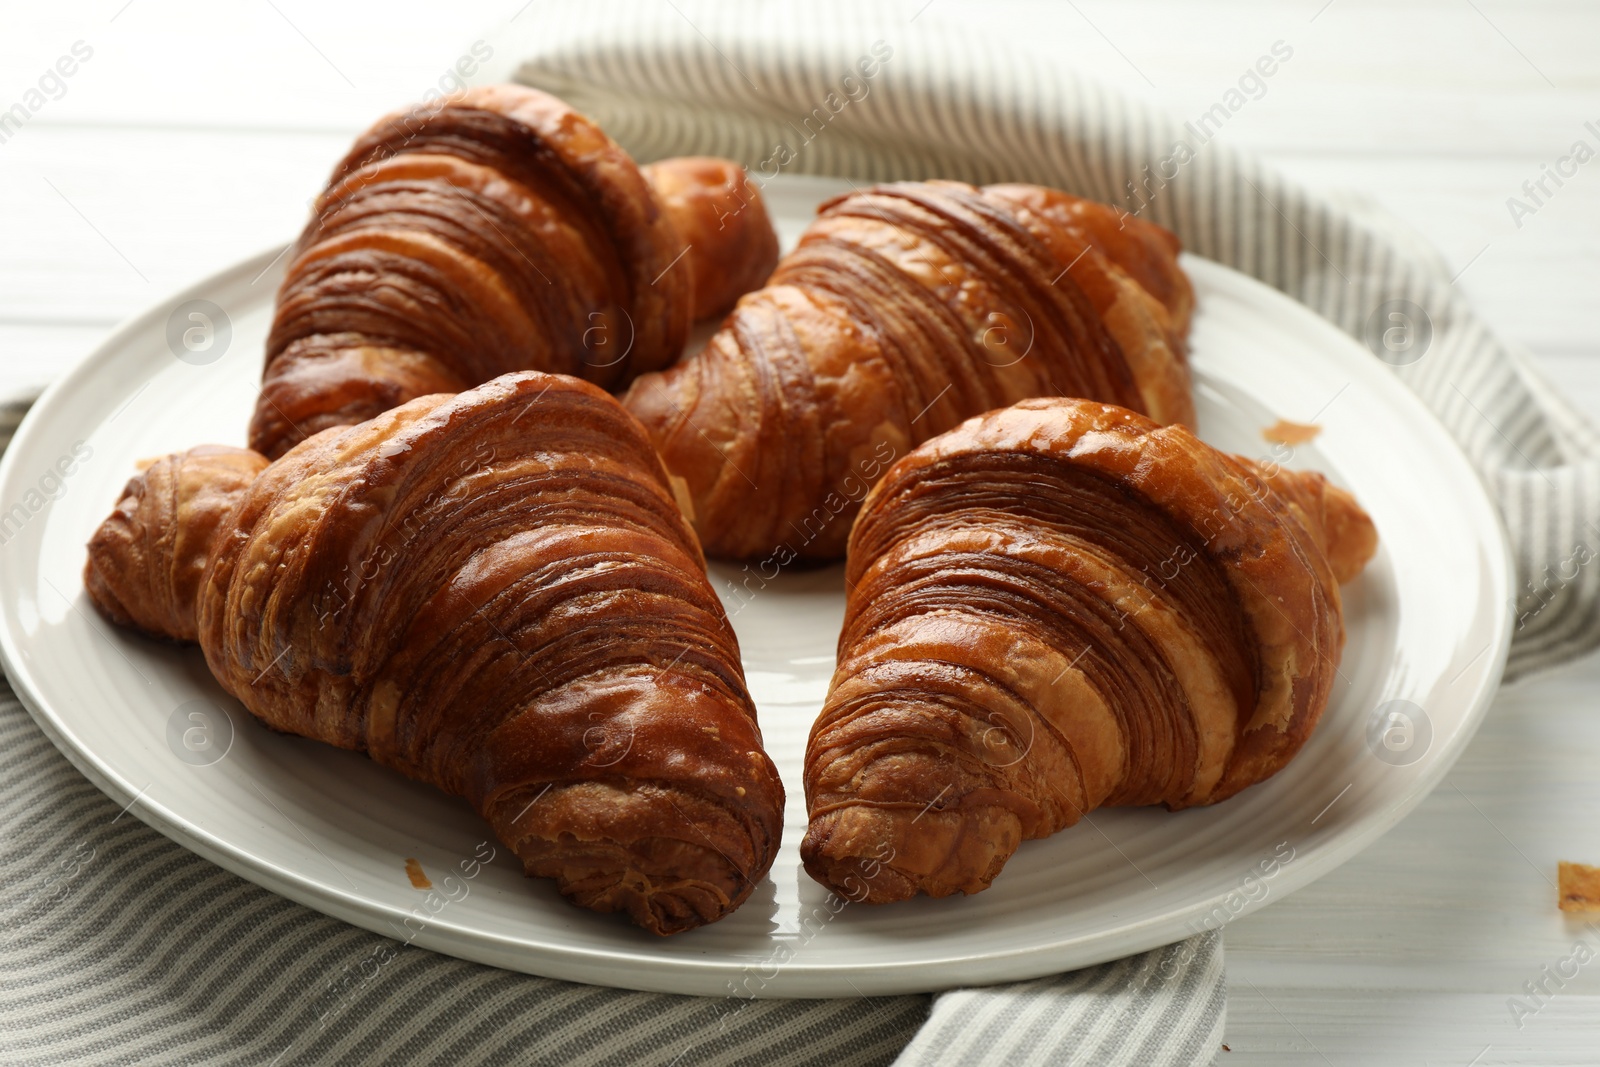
(1349, 535)
(147, 558)
(1059, 606)
(1343, 529)
(874, 856)
(722, 221)
(669, 857)
(673, 813)
(665, 885)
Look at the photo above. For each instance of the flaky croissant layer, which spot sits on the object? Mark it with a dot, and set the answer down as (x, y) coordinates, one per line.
(493, 592)
(1058, 606)
(905, 309)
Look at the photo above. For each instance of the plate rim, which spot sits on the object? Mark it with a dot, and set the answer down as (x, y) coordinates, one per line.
(641, 970)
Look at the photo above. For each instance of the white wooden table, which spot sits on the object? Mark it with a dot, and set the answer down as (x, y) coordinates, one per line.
(195, 133)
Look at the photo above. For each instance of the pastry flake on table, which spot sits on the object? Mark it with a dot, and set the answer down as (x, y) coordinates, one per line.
(1578, 887)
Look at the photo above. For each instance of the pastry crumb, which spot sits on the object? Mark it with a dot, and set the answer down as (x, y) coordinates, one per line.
(1291, 433)
(1579, 887)
(419, 879)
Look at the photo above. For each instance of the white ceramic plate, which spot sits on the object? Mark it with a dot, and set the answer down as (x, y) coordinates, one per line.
(1428, 622)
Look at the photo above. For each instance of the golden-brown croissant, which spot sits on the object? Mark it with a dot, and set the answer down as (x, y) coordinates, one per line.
(494, 231)
(493, 592)
(1058, 606)
(905, 309)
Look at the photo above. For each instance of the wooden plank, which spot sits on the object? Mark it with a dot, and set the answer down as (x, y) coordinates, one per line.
(1355, 1028)
(33, 356)
(1367, 76)
(293, 64)
(1459, 897)
(103, 223)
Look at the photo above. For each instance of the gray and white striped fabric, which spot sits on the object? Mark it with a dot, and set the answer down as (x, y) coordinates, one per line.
(1084, 1017)
(159, 956)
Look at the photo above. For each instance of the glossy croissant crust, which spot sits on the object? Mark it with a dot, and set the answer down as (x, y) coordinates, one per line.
(1059, 606)
(497, 230)
(493, 592)
(905, 309)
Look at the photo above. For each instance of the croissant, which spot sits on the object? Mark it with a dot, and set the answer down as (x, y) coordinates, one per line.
(495, 231)
(905, 309)
(493, 592)
(1060, 606)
